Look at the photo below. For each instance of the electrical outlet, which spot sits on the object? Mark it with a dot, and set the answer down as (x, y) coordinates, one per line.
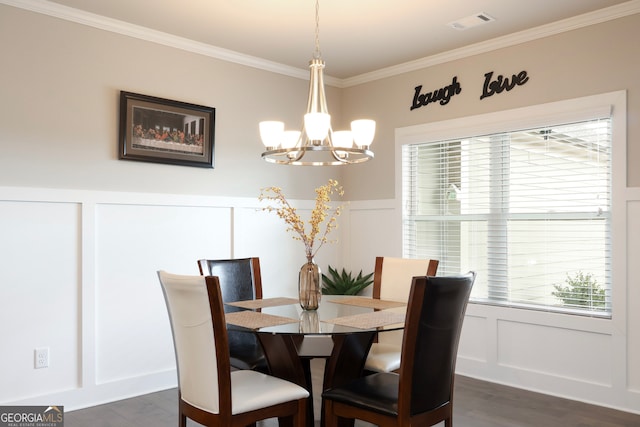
(41, 357)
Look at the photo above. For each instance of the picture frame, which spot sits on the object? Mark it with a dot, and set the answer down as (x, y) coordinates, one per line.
(161, 130)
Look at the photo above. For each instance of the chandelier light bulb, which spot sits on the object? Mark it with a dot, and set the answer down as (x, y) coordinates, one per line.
(290, 139)
(363, 132)
(317, 125)
(342, 139)
(271, 133)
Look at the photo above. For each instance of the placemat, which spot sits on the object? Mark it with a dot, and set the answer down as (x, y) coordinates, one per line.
(261, 303)
(369, 320)
(256, 320)
(370, 302)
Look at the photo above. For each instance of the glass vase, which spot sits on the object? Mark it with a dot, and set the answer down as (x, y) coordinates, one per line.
(309, 286)
(309, 322)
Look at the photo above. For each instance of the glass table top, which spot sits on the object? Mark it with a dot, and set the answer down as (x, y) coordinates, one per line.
(336, 314)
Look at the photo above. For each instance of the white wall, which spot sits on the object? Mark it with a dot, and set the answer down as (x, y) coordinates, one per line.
(79, 276)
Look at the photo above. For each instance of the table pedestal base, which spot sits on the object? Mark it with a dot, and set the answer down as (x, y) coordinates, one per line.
(345, 363)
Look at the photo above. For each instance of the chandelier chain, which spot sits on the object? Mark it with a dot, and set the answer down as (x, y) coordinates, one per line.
(316, 54)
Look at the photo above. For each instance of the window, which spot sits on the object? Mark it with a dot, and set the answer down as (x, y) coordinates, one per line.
(529, 209)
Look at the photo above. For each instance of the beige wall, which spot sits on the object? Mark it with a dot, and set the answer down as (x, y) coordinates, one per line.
(596, 59)
(60, 90)
(63, 79)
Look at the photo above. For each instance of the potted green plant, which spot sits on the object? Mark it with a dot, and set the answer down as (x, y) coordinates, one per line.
(344, 283)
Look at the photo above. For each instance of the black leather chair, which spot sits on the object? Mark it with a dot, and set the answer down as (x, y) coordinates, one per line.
(422, 392)
(239, 280)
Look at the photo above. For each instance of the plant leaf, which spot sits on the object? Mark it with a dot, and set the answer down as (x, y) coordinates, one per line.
(343, 283)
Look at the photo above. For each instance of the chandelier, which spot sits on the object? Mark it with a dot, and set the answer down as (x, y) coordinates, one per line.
(316, 144)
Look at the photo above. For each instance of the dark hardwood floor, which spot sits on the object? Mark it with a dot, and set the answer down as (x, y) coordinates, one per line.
(477, 404)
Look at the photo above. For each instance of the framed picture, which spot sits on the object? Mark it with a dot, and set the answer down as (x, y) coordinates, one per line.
(164, 131)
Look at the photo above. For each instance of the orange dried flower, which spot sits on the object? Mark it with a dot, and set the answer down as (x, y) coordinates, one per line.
(318, 215)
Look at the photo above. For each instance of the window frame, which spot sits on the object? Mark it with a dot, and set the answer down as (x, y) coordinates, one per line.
(555, 113)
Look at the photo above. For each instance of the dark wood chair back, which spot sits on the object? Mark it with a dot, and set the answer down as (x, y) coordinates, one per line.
(239, 278)
(430, 346)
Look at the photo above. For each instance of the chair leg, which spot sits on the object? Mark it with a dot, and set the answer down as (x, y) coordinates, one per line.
(300, 418)
(448, 422)
(330, 419)
(182, 419)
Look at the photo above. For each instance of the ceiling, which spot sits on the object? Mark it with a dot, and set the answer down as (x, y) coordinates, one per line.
(356, 36)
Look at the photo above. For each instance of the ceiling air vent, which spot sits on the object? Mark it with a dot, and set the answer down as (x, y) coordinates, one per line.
(471, 21)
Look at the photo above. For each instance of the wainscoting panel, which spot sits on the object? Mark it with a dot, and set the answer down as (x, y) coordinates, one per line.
(39, 296)
(474, 339)
(632, 299)
(133, 242)
(370, 230)
(79, 276)
(572, 354)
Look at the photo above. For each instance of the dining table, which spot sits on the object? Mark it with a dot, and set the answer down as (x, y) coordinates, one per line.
(341, 331)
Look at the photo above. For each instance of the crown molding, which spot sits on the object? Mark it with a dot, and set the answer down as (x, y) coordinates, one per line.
(56, 10)
(120, 27)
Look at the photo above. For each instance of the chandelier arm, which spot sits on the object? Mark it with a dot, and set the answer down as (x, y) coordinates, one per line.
(338, 158)
(322, 95)
(281, 156)
(342, 158)
(317, 101)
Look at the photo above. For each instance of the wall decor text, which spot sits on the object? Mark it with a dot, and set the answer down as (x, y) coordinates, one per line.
(501, 83)
(443, 95)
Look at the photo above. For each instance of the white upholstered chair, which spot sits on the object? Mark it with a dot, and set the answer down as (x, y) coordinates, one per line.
(392, 280)
(209, 393)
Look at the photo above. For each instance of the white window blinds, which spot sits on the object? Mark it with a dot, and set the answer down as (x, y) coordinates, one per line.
(529, 210)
